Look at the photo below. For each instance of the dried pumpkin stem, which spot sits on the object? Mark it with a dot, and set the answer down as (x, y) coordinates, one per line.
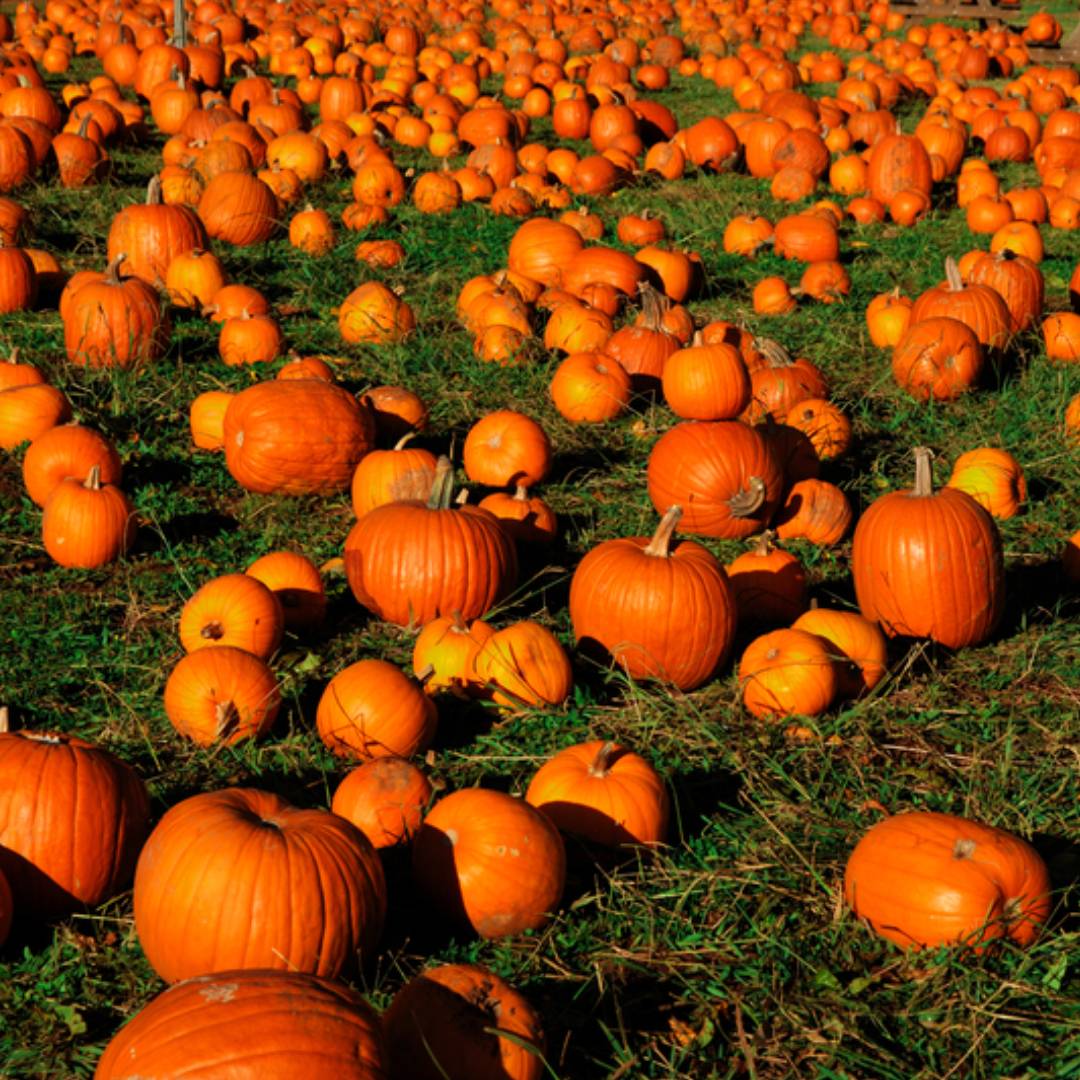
(400, 444)
(748, 502)
(660, 544)
(442, 487)
(952, 275)
(226, 719)
(775, 353)
(521, 493)
(153, 191)
(602, 762)
(112, 271)
(924, 475)
(765, 543)
(93, 478)
(5, 720)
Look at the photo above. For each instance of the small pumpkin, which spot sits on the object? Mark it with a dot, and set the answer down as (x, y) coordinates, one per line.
(444, 654)
(769, 583)
(787, 673)
(858, 647)
(506, 447)
(385, 799)
(993, 478)
(86, 524)
(67, 450)
(233, 609)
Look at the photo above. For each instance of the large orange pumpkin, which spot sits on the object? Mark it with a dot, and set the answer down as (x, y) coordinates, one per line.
(274, 1024)
(242, 879)
(923, 879)
(929, 564)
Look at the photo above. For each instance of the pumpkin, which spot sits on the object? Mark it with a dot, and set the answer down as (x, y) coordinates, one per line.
(659, 611)
(385, 799)
(993, 478)
(898, 163)
(397, 411)
(206, 419)
(506, 447)
(72, 819)
(887, 318)
(1061, 336)
(250, 339)
(370, 709)
(937, 358)
(769, 584)
(489, 861)
(445, 651)
(977, 306)
(857, 646)
(384, 476)
(240, 878)
(233, 609)
(296, 582)
(14, 372)
(706, 382)
(275, 1023)
(312, 232)
(18, 280)
(238, 208)
(221, 694)
(722, 474)
(603, 793)
(807, 238)
(824, 424)
(375, 315)
(463, 1022)
(924, 879)
(540, 249)
(193, 278)
(524, 666)
(86, 524)
(28, 410)
(929, 564)
(67, 450)
(146, 237)
(295, 437)
(574, 327)
(408, 562)
(786, 673)
(644, 348)
(115, 322)
(778, 382)
(590, 387)
(1017, 280)
(527, 518)
(814, 510)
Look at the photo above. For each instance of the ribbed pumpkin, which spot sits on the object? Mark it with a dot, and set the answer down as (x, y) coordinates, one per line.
(898, 163)
(923, 879)
(603, 793)
(524, 666)
(526, 518)
(937, 358)
(977, 306)
(146, 237)
(858, 648)
(787, 673)
(506, 447)
(778, 382)
(72, 819)
(722, 474)
(490, 861)
(239, 208)
(275, 1024)
(993, 478)
(373, 314)
(463, 1022)
(929, 564)
(814, 510)
(385, 476)
(295, 580)
(706, 382)
(769, 583)
(445, 651)
(1017, 280)
(659, 611)
(233, 609)
(115, 322)
(371, 709)
(806, 238)
(240, 878)
(29, 410)
(409, 562)
(296, 437)
(67, 451)
(86, 524)
(385, 799)
(541, 249)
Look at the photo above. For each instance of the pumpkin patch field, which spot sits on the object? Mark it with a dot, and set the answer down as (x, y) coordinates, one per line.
(539, 540)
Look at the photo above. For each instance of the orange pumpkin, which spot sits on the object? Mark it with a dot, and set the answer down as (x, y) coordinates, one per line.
(385, 799)
(786, 673)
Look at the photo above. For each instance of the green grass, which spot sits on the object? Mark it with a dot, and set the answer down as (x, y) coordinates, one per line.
(727, 954)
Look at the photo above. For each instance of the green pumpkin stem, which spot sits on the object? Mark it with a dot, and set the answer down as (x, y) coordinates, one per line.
(660, 544)
(602, 762)
(442, 487)
(924, 474)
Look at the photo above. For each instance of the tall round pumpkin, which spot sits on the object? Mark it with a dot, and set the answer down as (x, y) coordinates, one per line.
(490, 861)
(239, 208)
(271, 1024)
(722, 474)
(410, 561)
(929, 564)
(72, 819)
(660, 611)
(296, 437)
(242, 879)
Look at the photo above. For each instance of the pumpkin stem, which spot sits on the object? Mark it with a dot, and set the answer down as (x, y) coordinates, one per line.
(400, 444)
(213, 630)
(765, 544)
(521, 493)
(924, 475)
(5, 720)
(423, 676)
(660, 544)
(93, 479)
(153, 192)
(84, 126)
(442, 487)
(698, 340)
(13, 357)
(112, 271)
(226, 718)
(652, 306)
(964, 849)
(775, 354)
(748, 502)
(460, 625)
(602, 762)
(952, 275)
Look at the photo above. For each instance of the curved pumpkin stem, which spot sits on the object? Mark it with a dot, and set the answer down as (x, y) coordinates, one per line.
(765, 543)
(13, 356)
(924, 475)
(602, 762)
(112, 271)
(93, 479)
(952, 275)
(660, 544)
(400, 444)
(775, 354)
(652, 306)
(748, 502)
(442, 487)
